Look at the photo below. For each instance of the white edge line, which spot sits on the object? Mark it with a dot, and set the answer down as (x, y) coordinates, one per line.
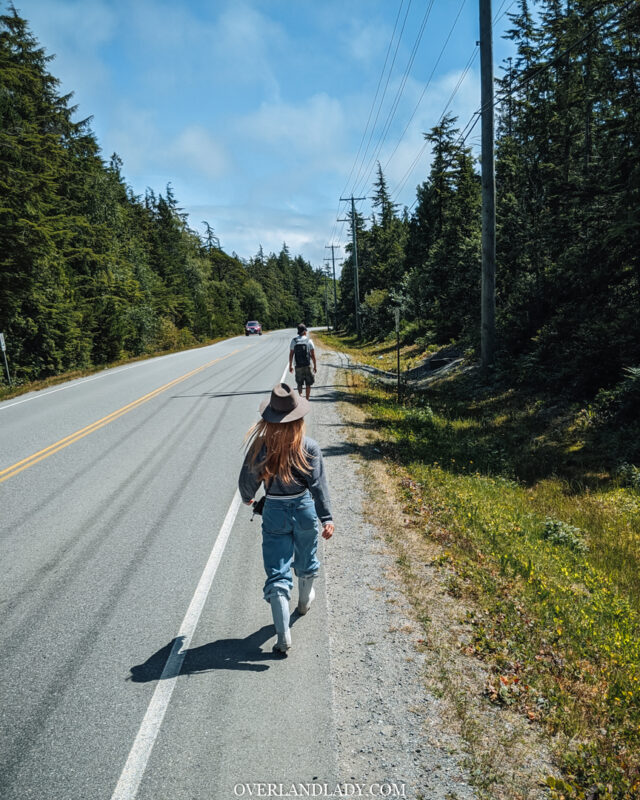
(283, 379)
(133, 771)
(136, 764)
(67, 386)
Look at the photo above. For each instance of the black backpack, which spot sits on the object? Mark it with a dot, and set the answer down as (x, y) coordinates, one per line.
(301, 354)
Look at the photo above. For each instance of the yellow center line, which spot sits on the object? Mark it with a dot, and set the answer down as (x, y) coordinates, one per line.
(25, 463)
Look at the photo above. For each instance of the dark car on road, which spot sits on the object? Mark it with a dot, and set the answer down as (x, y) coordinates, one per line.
(252, 327)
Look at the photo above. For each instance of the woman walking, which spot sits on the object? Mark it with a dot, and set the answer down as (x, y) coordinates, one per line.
(290, 466)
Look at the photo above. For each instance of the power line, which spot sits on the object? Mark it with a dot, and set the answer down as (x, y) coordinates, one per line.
(384, 93)
(568, 50)
(475, 117)
(398, 95)
(366, 127)
(507, 93)
(435, 66)
(474, 54)
(373, 102)
(335, 297)
(354, 254)
(407, 174)
(498, 16)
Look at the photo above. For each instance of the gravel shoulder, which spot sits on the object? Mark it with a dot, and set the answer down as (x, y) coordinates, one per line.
(388, 728)
(409, 704)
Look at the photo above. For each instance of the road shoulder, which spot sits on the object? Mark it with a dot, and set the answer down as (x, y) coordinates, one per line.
(388, 728)
(409, 701)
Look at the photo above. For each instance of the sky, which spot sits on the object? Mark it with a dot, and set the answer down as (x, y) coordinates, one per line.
(255, 110)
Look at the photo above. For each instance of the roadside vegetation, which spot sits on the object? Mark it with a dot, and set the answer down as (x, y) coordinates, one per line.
(536, 505)
(23, 386)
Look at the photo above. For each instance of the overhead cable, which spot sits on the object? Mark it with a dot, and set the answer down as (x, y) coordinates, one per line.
(426, 85)
(396, 100)
(384, 93)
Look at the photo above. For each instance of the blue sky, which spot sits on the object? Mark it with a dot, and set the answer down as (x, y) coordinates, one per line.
(254, 109)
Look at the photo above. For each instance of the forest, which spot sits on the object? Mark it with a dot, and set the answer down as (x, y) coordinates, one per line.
(568, 229)
(91, 273)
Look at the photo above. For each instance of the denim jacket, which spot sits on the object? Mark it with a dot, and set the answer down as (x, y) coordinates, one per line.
(315, 481)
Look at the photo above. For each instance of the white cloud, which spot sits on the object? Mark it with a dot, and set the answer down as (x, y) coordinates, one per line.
(207, 96)
(78, 25)
(145, 149)
(244, 228)
(238, 48)
(367, 43)
(315, 129)
(134, 135)
(196, 148)
(247, 40)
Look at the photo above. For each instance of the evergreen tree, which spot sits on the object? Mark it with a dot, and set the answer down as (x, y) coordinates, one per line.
(37, 303)
(346, 308)
(89, 272)
(444, 275)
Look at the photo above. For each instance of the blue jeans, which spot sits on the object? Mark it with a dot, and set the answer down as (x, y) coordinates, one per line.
(289, 538)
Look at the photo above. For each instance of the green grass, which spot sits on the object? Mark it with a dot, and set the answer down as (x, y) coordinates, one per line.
(382, 354)
(546, 545)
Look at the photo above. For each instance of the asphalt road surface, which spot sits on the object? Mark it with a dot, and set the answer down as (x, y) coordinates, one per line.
(136, 650)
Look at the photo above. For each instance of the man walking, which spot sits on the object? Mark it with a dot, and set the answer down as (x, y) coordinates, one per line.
(303, 351)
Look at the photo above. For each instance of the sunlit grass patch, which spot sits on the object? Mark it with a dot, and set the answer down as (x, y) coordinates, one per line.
(382, 355)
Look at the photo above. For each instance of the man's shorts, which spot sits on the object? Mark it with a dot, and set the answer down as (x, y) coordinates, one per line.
(304, 375)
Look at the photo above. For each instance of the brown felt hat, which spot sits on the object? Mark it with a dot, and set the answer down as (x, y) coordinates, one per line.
(284, 405)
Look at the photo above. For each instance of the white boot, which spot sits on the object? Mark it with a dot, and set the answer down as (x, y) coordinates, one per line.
(306, 593)
(280, 611)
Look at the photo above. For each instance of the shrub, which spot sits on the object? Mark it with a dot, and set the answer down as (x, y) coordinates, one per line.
(621, 403)
(561, 533)
(629, 475)
(167, 336)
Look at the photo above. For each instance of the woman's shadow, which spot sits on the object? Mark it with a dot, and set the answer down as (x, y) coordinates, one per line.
(243, 654)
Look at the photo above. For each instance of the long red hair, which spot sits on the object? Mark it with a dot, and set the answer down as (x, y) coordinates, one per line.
(284, 449)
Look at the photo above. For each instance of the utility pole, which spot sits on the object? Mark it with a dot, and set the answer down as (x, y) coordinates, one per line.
(488, 293)
(325, 274)
(354, 237)
(510, 96)
(335, 297)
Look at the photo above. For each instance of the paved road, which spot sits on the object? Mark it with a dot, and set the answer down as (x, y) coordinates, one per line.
(113, 492)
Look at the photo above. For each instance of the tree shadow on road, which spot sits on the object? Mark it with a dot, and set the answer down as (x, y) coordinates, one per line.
(235, 654)
(260, 392)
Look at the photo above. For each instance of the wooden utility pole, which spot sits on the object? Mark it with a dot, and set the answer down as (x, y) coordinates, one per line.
(488, 293)
(396, 312)
(325, 273)
(335, 296)
(354, 240)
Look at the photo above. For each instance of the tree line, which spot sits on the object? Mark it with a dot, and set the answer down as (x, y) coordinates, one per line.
(568, 194)
(91, 272)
